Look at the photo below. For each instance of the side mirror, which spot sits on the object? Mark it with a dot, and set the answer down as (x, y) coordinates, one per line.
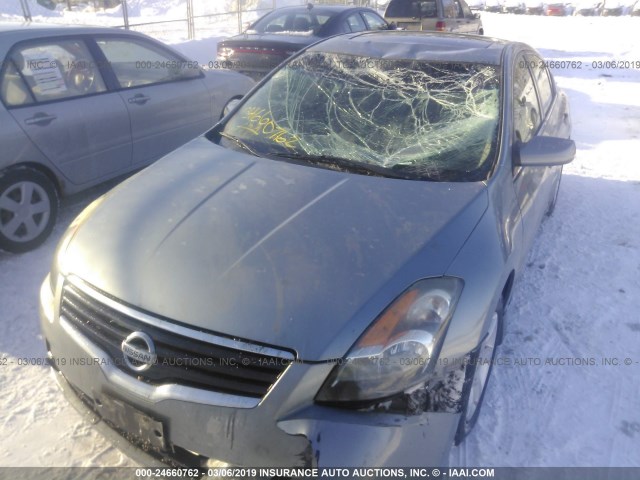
(544, 151)
(476, 16)
(392, 26)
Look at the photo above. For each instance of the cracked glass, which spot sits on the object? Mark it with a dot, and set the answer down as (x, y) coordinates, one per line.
(409, 119)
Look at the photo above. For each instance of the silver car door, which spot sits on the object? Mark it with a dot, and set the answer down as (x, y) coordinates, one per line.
(167, 99)
(67, 112)
(530, 183)
(470, 24)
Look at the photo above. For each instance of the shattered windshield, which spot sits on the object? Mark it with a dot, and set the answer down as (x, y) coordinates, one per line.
(399, 118)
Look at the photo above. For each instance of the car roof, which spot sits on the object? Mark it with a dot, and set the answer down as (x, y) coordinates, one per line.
(320, 8)
(27, 31)
(417, 45)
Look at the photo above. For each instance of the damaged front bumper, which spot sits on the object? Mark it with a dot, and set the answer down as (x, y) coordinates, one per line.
(154, 425)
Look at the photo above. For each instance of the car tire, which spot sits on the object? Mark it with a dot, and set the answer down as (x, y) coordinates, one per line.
(28, 209)
(556, 192)
(477, 375)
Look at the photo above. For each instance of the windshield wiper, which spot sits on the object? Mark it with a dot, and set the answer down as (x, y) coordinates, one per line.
(343, 164)
(239, 142)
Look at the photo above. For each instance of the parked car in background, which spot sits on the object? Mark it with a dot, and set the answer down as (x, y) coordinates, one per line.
(613, 8)
(434, 15)
(476, 5)
(557, 10)
(83, 105)
(70, 4)
(282, 32)
(589, 8)
(514, 6)
(402, 175)
(535, 7)
(495, 6)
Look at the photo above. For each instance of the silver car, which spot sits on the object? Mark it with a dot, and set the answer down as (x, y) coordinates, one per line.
(453, 16)
(83, 105)
(321, 279)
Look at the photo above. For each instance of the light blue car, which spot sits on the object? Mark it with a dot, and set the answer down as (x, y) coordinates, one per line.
(83, 105)
(321, 279)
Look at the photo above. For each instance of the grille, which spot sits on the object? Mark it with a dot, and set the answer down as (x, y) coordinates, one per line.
(181, 359)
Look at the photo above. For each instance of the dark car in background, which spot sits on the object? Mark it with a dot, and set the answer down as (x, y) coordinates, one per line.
(613, 9)
(284, 31)
(535, 7)
(83, 105)
(589, 10)
(321, 279)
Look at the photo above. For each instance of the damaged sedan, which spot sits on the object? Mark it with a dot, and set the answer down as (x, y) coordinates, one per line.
(321, 279)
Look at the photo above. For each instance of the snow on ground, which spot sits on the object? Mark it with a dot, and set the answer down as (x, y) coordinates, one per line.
(578, 298)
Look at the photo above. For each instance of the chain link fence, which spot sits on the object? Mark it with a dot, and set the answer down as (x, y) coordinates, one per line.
(200, 19)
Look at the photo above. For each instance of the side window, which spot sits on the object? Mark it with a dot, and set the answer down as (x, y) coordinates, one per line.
(13, 89)
(413, 8)
(302, 23)
(459, 12)
(136, 63)
(374, 22)
(356, 24)
(526, 115)
(275, 25)
(399, 8)
(466, 11)
(541, 74)
(428, 9)
(449, 9)
(50, 71)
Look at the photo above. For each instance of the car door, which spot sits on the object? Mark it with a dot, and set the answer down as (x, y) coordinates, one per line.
(166, 96)
(531, 109)
(467, 21)
(66, 110)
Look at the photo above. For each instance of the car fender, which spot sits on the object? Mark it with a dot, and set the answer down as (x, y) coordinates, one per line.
(485, 263)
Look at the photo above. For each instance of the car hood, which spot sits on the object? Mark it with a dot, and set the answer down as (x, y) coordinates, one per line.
(268, 251)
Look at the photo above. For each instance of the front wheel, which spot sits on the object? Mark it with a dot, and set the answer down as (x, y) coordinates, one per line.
(478, 371)
(28, 209)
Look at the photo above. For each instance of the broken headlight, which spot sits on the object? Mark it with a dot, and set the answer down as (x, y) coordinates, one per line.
(400, 348)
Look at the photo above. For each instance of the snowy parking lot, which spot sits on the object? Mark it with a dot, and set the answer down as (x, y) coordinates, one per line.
(565, 387)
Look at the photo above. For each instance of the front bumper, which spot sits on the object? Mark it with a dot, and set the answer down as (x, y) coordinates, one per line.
(286, 429)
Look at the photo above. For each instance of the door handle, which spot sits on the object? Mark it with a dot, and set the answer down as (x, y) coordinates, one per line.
(41, 119)
(139, 99)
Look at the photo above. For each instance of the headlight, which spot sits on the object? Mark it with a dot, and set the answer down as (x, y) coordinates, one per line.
(400, 348)
(57, 266)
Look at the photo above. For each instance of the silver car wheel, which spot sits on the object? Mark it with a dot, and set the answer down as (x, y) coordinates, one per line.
(483, 367)
(24, 211)
(28, 208)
